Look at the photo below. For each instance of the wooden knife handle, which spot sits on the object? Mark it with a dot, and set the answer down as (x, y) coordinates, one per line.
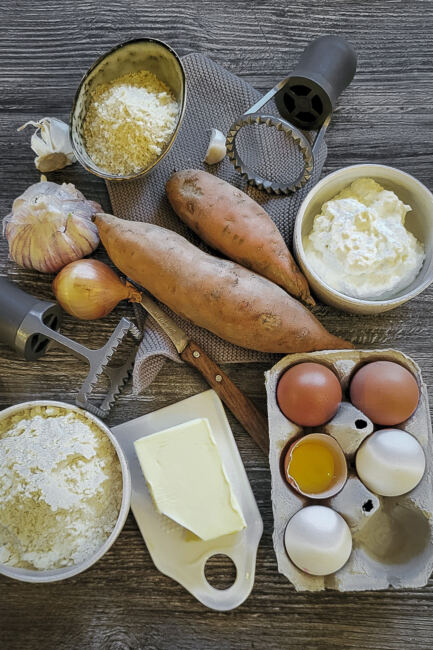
(253, 420)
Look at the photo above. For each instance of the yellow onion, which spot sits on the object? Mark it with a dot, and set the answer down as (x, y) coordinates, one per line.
(89, 289)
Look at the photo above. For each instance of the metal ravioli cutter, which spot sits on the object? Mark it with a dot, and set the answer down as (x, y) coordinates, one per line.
(28, 324)
(273, 153)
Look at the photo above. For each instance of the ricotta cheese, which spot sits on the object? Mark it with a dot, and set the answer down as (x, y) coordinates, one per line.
(359, 244)
(60, 488)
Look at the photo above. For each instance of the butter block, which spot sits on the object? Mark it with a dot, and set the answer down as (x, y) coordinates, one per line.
(186, 477)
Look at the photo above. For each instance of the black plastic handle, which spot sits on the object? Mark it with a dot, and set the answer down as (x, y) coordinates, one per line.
(15, 308)
(326, 67)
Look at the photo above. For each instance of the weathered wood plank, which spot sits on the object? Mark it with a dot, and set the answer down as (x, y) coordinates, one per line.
(385, 116)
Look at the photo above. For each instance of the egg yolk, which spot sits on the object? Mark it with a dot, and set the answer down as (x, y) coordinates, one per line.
(312, 467)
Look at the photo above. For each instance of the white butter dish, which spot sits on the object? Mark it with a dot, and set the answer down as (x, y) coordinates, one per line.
(175, 551)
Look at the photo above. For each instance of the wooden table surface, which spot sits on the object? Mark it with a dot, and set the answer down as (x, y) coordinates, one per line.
(385, 117)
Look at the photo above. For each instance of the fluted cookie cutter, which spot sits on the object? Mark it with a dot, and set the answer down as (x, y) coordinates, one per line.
(28, 324)
(305, 100)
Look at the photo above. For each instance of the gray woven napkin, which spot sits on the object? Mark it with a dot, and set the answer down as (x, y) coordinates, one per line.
(215, 99)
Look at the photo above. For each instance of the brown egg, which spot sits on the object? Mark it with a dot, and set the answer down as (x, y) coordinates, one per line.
(309, 394)
(385, 391)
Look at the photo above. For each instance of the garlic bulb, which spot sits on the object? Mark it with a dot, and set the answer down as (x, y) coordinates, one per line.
(51, 143)
(217, 147)
(51, 225)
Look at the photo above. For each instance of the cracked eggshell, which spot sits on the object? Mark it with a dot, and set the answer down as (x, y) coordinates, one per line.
(392, 536)
(340, 465)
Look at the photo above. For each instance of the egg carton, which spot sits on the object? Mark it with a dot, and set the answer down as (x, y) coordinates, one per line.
(392, 536)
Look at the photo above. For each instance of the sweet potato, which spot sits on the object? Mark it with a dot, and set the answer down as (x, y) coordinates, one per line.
(225, 298)
(234, 224)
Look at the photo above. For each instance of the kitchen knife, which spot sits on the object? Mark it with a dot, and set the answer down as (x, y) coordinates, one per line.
(253, 421)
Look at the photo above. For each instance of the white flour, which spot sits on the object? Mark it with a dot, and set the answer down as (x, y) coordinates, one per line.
(60, 488)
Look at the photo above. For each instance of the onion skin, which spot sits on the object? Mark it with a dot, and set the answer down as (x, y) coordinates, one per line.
(89, 289)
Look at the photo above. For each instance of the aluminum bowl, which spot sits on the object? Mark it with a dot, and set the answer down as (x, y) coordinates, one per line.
(52, 575)
(131, 56)
(419, 221)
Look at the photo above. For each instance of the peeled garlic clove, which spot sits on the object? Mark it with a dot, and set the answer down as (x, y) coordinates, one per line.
(51, 225)
(217, 147)
(51, 143)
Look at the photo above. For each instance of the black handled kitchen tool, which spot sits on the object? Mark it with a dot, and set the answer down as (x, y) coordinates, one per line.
(305, 100)
(28, 324)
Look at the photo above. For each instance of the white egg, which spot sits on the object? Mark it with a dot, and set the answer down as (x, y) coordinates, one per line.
(390, 462)
(318, 540)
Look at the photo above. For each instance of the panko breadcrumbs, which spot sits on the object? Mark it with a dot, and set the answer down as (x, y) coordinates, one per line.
(129, 121)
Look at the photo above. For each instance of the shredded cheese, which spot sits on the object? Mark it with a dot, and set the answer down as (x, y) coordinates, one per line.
(129, 121)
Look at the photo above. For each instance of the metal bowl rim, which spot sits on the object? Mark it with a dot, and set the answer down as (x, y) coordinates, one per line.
(120, 177)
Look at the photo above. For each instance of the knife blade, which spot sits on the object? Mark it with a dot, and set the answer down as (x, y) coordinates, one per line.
(175, 333)
(254, 421)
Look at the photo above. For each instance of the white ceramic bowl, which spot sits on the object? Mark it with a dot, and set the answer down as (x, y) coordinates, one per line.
(419, 221)
(52, 575)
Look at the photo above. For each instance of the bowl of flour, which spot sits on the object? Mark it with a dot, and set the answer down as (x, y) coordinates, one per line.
(65, 491)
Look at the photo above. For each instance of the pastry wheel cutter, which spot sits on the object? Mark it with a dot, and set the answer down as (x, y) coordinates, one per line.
(305, 100)
(28, 324)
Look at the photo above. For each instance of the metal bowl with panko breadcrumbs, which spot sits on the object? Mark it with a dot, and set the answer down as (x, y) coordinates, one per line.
(133, 56)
